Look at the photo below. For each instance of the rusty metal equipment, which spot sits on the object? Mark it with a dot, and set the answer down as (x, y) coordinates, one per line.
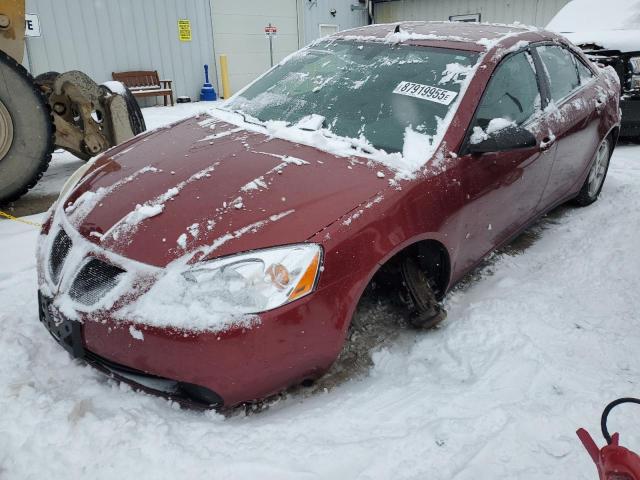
(67, 110)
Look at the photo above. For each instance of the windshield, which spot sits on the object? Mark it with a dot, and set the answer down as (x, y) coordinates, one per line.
(354, 89)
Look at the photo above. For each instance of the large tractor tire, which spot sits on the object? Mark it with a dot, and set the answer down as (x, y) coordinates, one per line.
(135, 113)
(26, 130)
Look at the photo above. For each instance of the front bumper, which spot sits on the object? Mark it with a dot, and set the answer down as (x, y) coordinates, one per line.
(290, 344)
(630, 117)
(68, 334)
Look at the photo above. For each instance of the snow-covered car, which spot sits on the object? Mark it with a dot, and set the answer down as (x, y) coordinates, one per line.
(609, 33)
(221, 259)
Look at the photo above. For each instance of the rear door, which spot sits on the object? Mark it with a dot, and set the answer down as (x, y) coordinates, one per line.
(572, 116)
(503, 189)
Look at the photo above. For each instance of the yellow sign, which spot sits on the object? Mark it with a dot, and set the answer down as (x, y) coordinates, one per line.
(184, 30)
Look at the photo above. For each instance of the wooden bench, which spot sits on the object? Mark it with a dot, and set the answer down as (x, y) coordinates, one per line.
(145, 84)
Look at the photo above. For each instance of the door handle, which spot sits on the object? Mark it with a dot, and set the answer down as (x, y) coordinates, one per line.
(547, 143)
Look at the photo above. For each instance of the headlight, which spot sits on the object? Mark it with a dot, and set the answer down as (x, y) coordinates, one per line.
(75, 177)
(634, 62)
(257, 281)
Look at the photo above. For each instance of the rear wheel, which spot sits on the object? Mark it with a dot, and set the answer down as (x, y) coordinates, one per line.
(595, 180)
(26, 130)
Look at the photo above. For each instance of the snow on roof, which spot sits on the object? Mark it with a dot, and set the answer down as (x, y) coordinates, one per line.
(596, 15)
(471, 33)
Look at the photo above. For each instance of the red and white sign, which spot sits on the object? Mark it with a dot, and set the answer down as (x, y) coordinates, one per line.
(270, 30)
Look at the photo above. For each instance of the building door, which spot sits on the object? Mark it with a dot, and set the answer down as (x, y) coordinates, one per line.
(238, 32)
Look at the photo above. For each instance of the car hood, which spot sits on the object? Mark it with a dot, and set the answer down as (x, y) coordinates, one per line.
(209, 186)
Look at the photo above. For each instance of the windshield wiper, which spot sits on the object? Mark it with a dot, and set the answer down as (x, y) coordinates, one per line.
(354, 143)
(245, 118)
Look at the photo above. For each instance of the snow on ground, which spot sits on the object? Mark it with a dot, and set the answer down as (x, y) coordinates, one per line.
(155, 117)
(533, 348)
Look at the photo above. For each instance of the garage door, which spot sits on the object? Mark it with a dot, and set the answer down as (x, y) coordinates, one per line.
(238, 32)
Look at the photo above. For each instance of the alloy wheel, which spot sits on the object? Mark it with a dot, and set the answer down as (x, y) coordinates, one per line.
(599, 169)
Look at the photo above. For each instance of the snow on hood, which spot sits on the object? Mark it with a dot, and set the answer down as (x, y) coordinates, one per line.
(171, 194)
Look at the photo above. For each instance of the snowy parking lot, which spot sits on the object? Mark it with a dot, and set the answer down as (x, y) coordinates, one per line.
(535, 344)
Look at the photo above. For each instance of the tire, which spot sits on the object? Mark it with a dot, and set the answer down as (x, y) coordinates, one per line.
(27, 143)
(597, 174)
(136, 120)
(45, 80)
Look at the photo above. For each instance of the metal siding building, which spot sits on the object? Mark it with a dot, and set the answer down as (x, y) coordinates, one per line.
(238, 32)
(328, 15)
(530, 12)
(102, 36)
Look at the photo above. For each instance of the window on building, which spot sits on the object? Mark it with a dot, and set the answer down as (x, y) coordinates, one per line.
(327, 29)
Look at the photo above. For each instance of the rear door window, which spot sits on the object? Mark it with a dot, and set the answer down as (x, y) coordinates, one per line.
(512, 93)
(560, 70)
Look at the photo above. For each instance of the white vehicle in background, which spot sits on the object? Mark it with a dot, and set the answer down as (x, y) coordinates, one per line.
(609, 33)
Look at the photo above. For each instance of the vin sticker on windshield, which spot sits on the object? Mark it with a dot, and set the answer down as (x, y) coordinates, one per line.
(425, 92)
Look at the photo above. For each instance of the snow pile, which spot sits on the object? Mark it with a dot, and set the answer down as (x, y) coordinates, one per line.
(176, 302)
(529, 352)
(623, 40)
(586, 22)
(593, 15)
(197, 306)
(414, 148)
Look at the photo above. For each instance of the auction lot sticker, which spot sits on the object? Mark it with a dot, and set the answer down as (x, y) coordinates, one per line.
(425, 92)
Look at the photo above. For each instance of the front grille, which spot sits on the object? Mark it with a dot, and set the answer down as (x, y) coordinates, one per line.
(59, 251)
(94, 281)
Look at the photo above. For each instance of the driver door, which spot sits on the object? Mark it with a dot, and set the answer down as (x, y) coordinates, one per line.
(503, 188)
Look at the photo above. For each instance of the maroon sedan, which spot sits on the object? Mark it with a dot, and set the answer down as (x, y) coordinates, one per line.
(222, 259)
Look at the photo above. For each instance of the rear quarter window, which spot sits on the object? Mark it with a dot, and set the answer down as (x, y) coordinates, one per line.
(560, 69)
(584, 72)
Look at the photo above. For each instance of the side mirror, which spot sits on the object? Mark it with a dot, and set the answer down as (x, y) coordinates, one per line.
(509, 138)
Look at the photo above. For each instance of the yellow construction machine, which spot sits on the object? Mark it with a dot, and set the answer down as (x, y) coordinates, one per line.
(52, 110)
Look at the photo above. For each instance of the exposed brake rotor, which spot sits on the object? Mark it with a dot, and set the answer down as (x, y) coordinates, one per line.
(426, 311)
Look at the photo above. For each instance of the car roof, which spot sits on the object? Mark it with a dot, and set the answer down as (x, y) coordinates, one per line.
(460, 35)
